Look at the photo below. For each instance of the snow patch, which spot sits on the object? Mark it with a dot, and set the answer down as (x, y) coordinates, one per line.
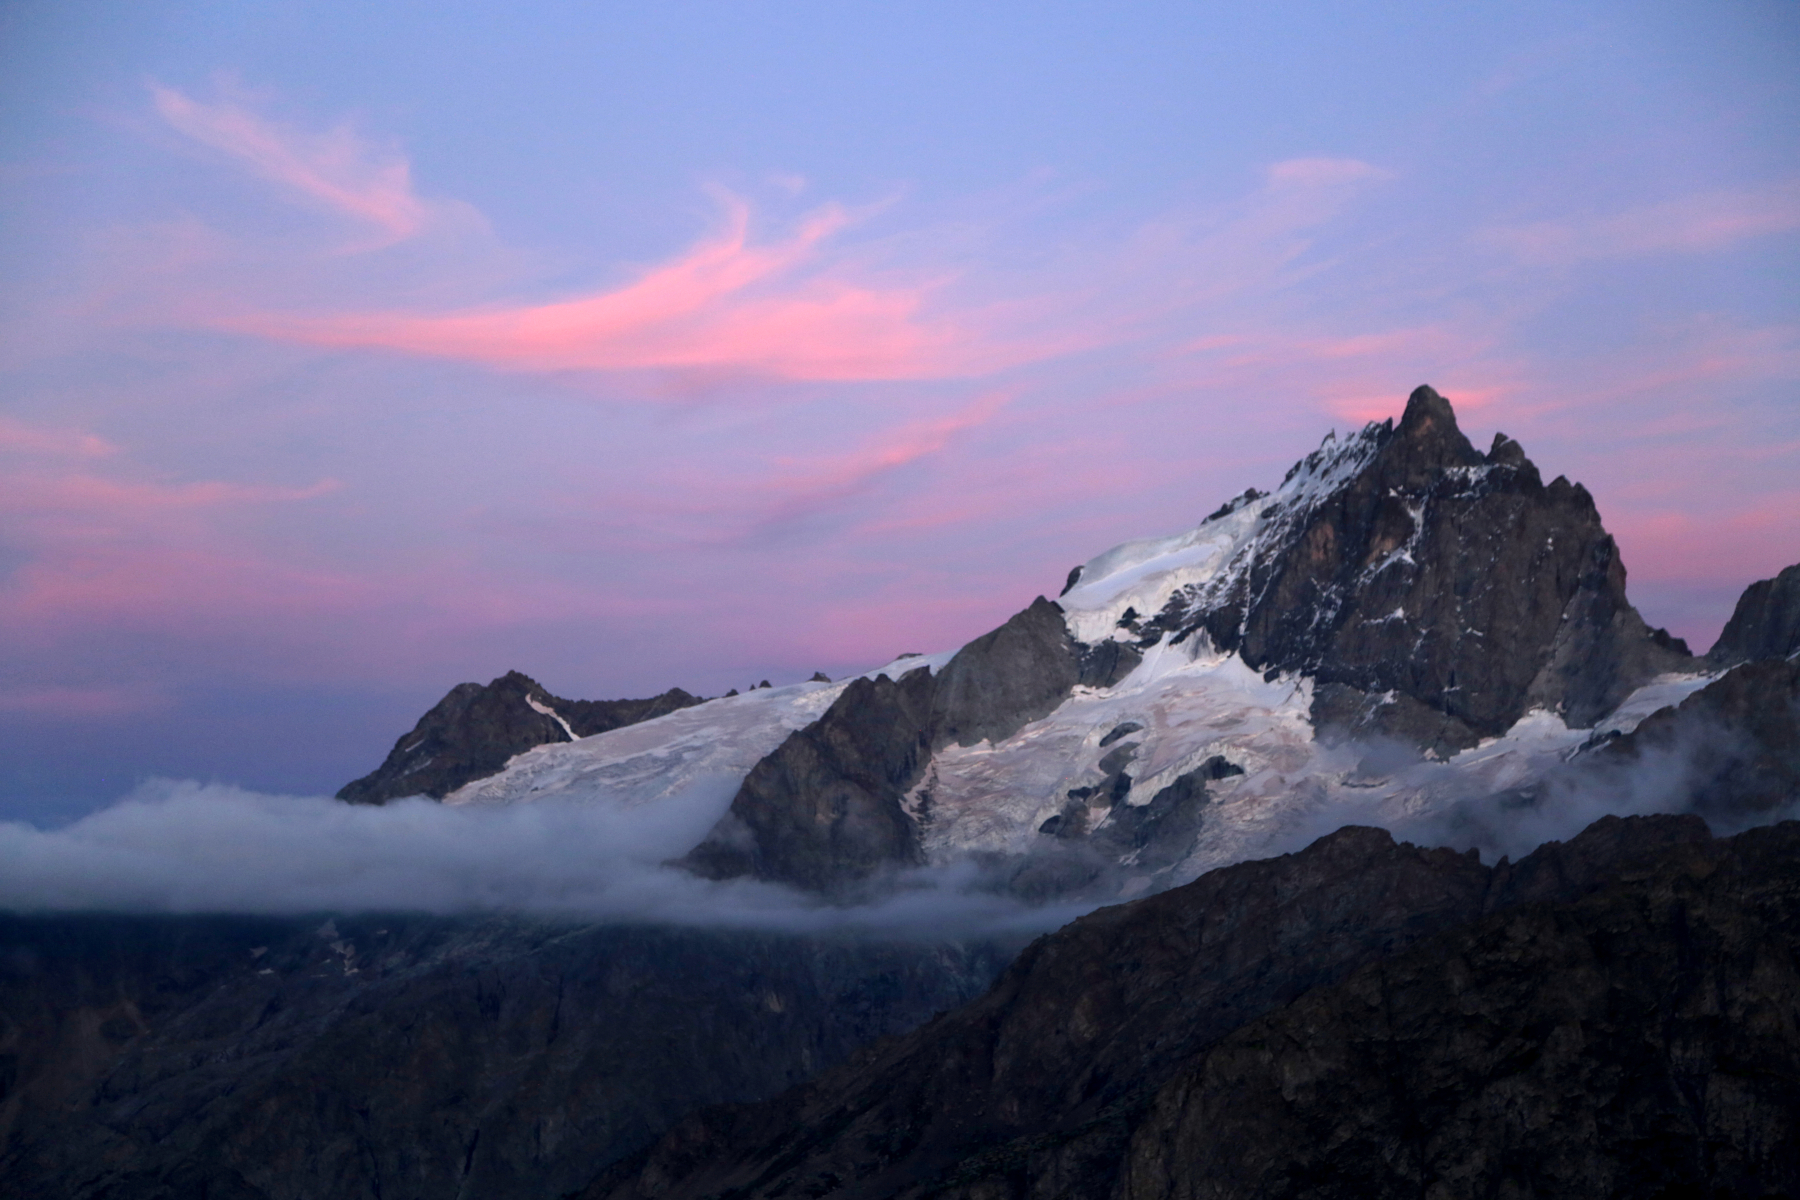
(552, 714)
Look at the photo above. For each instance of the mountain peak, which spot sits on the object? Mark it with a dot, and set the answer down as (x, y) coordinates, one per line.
(475, 729)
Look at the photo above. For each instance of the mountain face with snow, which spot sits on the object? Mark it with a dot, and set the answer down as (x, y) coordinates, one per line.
(474, 731)
(1404, 624)
(1433, 593)
(1399, 587)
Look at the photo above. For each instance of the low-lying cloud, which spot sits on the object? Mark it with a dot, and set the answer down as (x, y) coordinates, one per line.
(1690, 773)
(184, 847)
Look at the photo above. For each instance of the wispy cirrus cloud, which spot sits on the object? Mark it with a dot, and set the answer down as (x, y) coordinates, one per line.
(782, 309)
(107, 539)
(803, 486)
(337, 169)
(16, 437)
(1689, 224)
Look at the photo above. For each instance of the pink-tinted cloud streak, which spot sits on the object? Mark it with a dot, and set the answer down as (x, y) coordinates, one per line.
(726, 304)
(337, 169)
(1689, 224)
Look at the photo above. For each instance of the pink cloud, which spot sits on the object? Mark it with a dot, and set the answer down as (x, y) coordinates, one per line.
(724, 305)
(1706, 221)
(103, 701)
(1324, 172)
(1362, 407)
(19, 438)
(335, 169)
(1751, 543)
(808, 485)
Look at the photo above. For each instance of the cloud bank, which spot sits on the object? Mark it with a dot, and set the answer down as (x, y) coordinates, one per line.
(176, 847)
(185, 847)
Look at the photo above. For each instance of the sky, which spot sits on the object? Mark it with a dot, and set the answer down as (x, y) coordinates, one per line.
(351, 351)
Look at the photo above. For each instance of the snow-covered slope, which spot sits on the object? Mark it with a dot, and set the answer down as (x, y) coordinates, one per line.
(1188, 702)
(1191, 703)
(1205, 564)
(712, 745)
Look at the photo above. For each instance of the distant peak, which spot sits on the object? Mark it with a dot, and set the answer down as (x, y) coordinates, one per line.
(1428, 436)
(1426, 411)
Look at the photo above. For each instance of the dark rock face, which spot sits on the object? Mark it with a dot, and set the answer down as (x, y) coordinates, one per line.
(1638, 1042)
(1765, 624)
(1616, 1015)
(1734, 745)
(1434, 594)
(166, 1058)
(826, 809)
(474, 730)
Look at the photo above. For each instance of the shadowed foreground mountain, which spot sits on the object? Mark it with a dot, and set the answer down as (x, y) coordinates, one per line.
(381, 1057)
(1614, 1016)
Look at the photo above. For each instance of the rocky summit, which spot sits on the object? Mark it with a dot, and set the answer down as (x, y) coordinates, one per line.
(1765, 624)
(475, 730)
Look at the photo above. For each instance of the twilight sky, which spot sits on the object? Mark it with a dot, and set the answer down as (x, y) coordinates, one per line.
(349, 351)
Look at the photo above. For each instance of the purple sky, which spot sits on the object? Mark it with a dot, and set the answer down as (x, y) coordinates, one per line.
(348, 351)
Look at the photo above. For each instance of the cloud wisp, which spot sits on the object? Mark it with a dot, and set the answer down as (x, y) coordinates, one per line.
(1685, 225)
(725, 305)
(337, 170)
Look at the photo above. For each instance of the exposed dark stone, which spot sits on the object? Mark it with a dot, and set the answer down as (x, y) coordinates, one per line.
(1454, 580)
(1163, 832)
(1005, 679)
(1106, 663)
(1610, 1016)
(824, 809)
(1119, 731)
(1074, 578)
(1128, 841)
(409, 1058)
(1233, 504)
(472, 732)
(1765, 624)
(1730, 751)
(819, 677)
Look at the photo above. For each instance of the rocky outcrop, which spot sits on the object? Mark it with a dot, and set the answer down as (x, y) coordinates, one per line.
(1083, 850)
(1730, 751)
(1434, 593)
(472, 732)
(823, 811)
(392, 1057)
(826, 810)
(1765, 624)
(1079, 1073)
